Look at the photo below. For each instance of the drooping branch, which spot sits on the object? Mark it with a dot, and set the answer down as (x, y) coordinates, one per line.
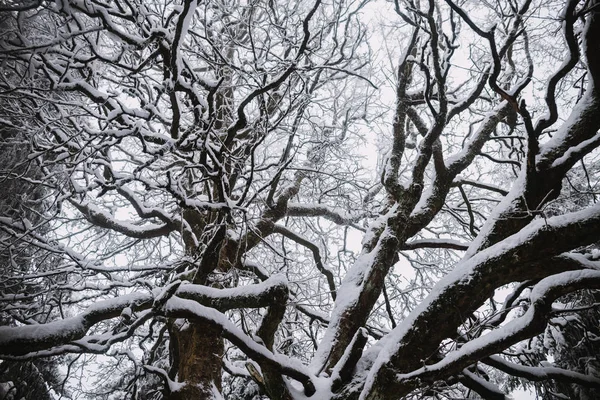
(541, 373)
(26, 339)
(105, 220)
(31, 338)
(485, 389)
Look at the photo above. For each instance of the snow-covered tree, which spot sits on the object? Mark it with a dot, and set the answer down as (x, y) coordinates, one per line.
(203, 173)
(22, 199)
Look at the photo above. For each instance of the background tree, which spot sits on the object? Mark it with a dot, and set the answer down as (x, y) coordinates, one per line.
(22, 198)
(205, 178)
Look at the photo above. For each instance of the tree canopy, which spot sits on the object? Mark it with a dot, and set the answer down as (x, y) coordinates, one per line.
(352, 199)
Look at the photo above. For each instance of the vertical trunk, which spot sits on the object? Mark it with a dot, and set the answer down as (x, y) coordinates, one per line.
(197, 350)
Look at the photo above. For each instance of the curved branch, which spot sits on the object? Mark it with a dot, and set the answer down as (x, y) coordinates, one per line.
(485, 389)
(573, 57)
(537, 374)
(282, 230)
(103, 219)
(242, 120)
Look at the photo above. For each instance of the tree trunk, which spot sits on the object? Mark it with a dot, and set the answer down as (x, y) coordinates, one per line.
(197, 351)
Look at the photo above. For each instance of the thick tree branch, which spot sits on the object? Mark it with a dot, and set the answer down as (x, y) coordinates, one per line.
(105, 220)
(530, 324)
(26, 339)
(321, 210)
(435, 244)
(471, 282)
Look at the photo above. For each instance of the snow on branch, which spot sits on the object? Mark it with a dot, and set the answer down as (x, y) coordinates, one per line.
(461, 291)
(530, 324)
(484, 388)
(181, 308)
(31, 338)
(332, 214)
(250, 296)
(103, 219)
(21, 340)
(541, 373)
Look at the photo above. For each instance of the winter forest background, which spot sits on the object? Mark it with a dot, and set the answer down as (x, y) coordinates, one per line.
(325, 199)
